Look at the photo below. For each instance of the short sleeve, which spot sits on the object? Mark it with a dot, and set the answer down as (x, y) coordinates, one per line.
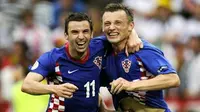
(155, 62)
(44, 65)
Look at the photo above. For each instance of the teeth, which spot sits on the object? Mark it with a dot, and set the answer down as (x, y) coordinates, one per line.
(81, 43)
(113, 34)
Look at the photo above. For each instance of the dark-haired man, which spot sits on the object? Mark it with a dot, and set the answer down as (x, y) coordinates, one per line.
(72, 71)
(137, 80)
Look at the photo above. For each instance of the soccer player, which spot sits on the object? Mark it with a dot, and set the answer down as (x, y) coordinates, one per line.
(72, 71)
(138, 80)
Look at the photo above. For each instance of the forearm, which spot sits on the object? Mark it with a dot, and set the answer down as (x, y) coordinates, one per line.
(157, 83)
(37, 88)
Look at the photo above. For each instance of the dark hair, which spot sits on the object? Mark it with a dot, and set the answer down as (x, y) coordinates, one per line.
(112, 7)
(78, 16)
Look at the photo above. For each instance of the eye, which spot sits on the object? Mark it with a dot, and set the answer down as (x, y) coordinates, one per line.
(106, 23)
(86, 31)
(74, 32)
(118, 22)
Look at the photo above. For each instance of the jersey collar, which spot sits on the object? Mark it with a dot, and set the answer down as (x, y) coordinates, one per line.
(82, 60)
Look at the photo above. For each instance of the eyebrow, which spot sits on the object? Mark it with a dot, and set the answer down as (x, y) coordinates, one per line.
(74, 30)
(86, 30)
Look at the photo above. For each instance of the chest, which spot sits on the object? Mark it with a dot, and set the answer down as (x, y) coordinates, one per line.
(80, 74)
(131, 68)
(75, 73)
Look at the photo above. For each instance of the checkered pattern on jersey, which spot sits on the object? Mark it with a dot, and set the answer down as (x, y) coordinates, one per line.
(142, 69)
(140, 95)
(57, 69)
(56, 104)
(144, 74)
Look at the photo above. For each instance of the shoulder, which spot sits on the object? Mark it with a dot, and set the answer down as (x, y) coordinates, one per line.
(149, 48)
(100, 40)
(98, 44)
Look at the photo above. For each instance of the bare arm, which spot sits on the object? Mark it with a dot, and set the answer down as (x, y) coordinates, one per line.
(33, 86)
(157, 83)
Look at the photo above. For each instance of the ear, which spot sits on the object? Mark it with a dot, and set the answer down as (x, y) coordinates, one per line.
(131, 26)
(92, 35)
(102, 28)
(66, 36)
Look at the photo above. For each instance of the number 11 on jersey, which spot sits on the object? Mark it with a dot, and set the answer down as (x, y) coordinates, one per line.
(89, 86)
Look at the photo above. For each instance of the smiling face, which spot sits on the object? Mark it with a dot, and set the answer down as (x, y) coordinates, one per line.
(79, 36)
(116, 26)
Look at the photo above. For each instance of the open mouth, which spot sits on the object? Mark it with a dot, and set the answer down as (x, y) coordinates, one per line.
(113, 34)
(81, 44)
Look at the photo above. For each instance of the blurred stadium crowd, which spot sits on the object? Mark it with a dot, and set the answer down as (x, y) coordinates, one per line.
(31, 27)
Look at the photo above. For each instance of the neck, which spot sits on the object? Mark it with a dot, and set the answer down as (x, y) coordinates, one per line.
(77, 55)
(118, 47)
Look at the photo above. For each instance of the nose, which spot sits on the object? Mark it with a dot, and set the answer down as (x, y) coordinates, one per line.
(81, 36)
(112, 27)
